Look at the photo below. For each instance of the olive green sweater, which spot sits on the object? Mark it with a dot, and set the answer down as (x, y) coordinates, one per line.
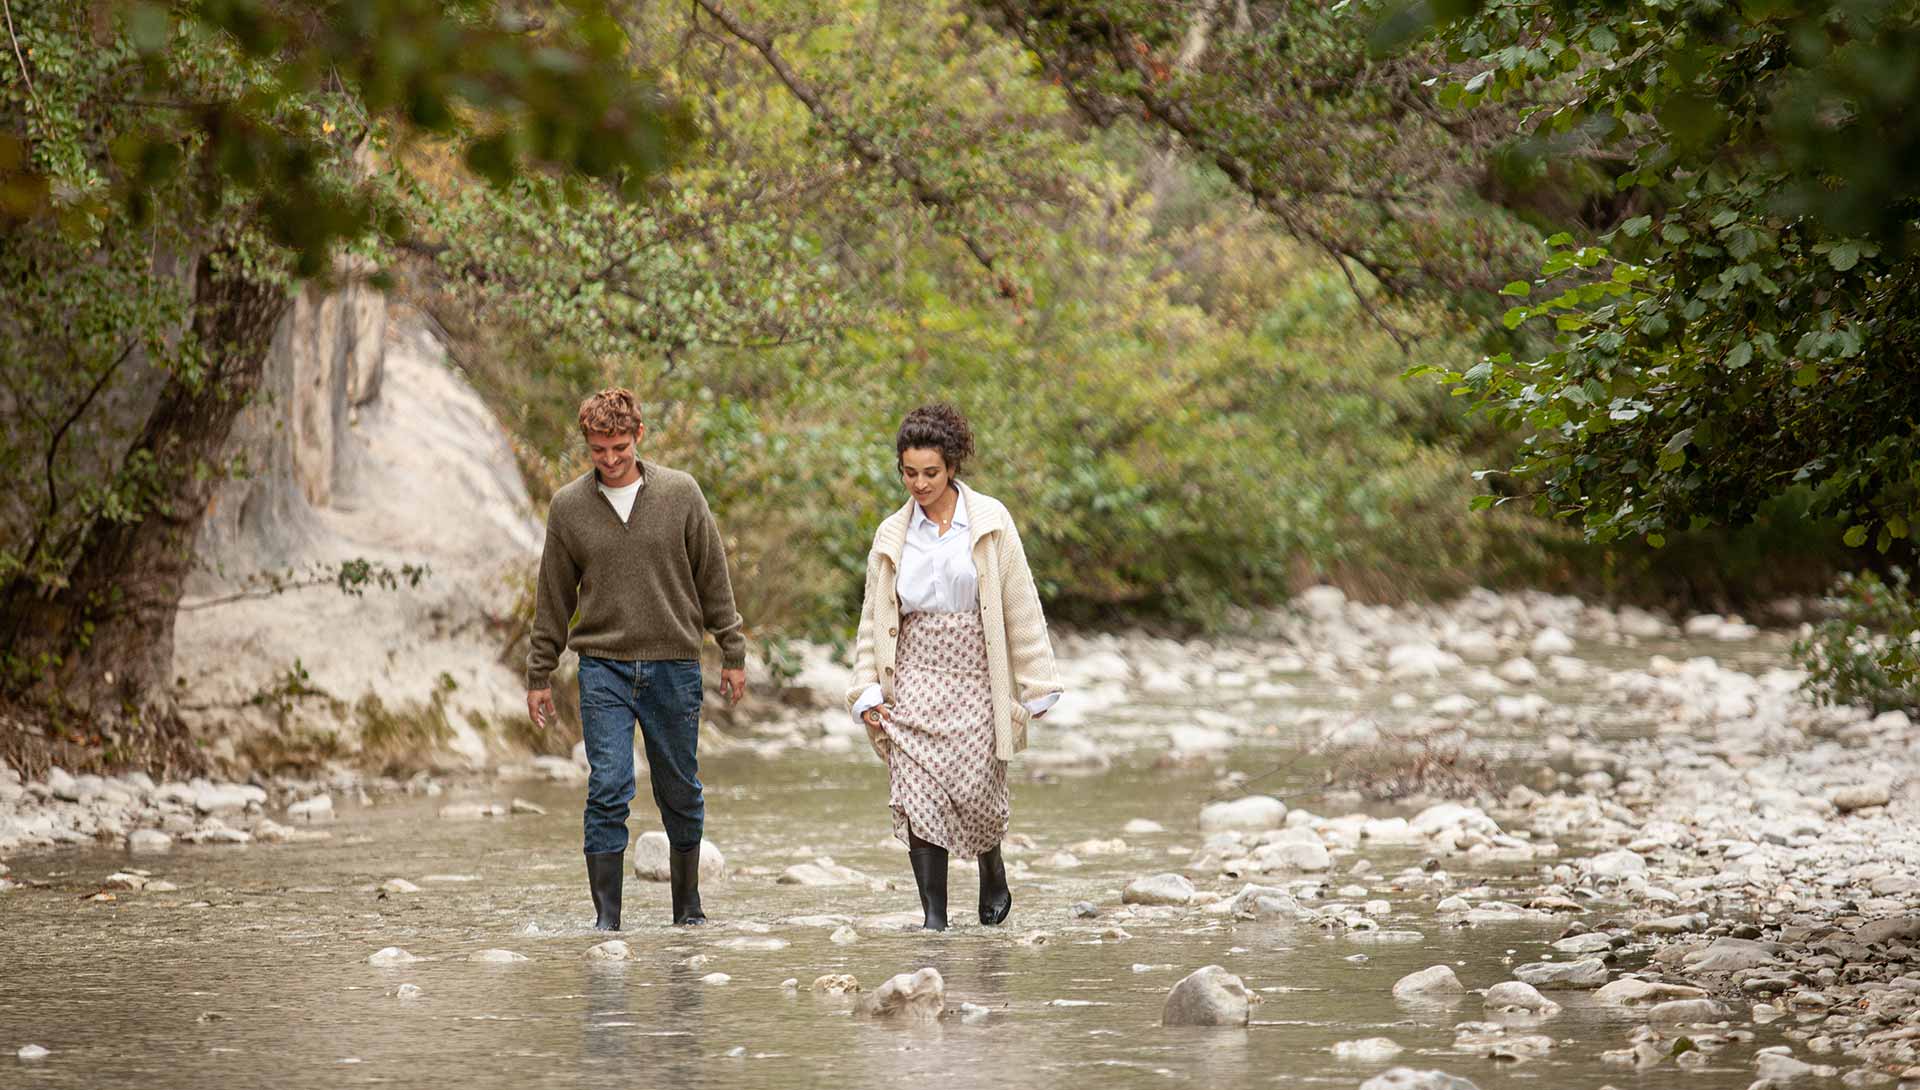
(645, 589)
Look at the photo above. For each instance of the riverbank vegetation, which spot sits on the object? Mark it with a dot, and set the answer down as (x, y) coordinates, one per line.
(1671, 319)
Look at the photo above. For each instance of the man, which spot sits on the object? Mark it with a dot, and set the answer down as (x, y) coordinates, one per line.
(634, 559)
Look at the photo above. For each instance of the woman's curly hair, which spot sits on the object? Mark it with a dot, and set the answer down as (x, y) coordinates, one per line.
(940, 427)
(612, 411)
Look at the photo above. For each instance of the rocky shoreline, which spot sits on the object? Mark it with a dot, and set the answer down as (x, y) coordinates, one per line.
(1717, 851)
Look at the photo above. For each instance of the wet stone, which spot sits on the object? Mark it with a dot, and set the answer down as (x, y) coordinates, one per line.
(1406, 1078)
(1437, 980)
(1158, 889)
(908, 997)
(1585, 973)
(1210, 996)
(1367, 1050)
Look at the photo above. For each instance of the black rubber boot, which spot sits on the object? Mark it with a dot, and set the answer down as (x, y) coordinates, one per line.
(930, 874)
(684, 879)
(996, 900)
(605, 872)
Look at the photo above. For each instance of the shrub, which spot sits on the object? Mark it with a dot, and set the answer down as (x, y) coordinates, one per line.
(1869, 652)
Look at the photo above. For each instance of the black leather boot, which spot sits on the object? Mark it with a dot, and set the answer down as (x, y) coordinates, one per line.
(930, 874)
(684, 879)
(605, 873)
(996, 900)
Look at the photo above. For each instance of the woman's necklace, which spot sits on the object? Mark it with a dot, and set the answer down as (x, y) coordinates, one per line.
(944, 524)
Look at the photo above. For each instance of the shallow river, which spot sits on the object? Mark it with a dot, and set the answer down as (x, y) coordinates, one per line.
(254, 973)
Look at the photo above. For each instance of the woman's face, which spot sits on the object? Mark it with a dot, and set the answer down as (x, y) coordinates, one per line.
(924, 470)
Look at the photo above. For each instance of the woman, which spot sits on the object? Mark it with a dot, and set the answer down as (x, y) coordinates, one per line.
(951, 662)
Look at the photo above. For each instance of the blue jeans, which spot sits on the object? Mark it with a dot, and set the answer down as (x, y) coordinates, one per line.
(665, 698)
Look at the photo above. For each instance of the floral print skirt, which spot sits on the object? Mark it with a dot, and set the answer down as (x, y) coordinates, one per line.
(944, 781)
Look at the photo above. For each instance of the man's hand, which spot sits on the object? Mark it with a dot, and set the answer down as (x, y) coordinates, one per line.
(734, 684)
(540, 707)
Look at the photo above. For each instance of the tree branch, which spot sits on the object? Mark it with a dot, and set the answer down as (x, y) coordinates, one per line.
(905, 171)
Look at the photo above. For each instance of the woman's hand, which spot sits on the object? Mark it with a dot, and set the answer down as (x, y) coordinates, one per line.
(873, 718)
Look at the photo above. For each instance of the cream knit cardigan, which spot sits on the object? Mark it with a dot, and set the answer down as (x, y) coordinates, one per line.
(1019, 658)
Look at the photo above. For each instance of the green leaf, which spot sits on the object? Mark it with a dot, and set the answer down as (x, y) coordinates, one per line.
(1518, 287)
(1844, 256)
(1636, 226)
(1741, 355)
(1856, 536)
(1656, 541)
(1807, 375)
(1512, 318)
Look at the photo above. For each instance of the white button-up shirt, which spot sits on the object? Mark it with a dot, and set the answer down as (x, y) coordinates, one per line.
(937, 576)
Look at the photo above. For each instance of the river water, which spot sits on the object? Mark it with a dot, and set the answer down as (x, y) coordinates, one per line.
(255, 971)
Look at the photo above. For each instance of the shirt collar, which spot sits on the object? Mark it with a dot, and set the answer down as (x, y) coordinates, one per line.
(640, 480)
(959, 513)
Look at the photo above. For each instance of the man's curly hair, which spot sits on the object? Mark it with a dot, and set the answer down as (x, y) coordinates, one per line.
(940, 427)
(612, 411)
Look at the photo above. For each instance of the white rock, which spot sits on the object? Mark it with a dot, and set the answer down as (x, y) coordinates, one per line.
(32, 1052)
(1406, 1078)
(318, 808)
(761, 943)
(1257, 812)
(222, 799)
(1142, 827)
(1516, 995)
(497, 957)
(821, 872)
(148, 842)
(907, 997)
(1518, 671)
(1617, 864)
(532, 809)
(611, 950)
(715, 978)
(123, 880)
(1292, 856)
(215, 831)
(1859, 796)
(652, 859)
(391, 955)
(844, 935)
(468, 811)
(1590, 943)
(1367, 1050)
(1583, 973)
(1550, 641)
(1782, 1066)
(399, 885)
(1414, 661)
(1158, 889)
(1207, 997)
(1437, 980)
(1634, 992)
(407, 991)
(1263, 902)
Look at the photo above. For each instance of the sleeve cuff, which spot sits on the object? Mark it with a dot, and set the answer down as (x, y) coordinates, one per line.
(1038, 705)
(869, 699)
(539, 681)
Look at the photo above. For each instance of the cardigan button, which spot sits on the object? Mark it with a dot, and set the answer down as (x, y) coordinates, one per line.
(893, 632)
(889, 669)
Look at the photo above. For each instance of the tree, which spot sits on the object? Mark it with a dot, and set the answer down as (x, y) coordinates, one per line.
(1757, 331)
(1345, 149)
(167, 172)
